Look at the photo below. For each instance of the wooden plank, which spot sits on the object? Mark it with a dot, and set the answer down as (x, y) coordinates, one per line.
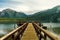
(29, 33)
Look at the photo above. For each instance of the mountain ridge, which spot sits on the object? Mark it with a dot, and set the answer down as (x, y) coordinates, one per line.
(49, 15)
(9, 13)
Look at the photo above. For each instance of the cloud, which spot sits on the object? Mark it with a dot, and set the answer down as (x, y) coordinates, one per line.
(2, 9)
(28, 5)
(23, 8)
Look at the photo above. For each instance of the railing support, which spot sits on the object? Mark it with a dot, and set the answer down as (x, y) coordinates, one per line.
(45, 36)
(45, 32)
(15, 34)
(40, 37)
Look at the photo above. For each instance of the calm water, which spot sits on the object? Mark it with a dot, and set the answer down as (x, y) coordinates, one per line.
(53, 27)
(5, 28)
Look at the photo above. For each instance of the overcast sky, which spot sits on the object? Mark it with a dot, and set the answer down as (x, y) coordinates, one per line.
(28, 6)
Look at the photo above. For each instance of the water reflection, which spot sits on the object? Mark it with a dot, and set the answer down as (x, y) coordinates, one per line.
(6, 28)
(2, 32)
(51, 24)
(53, 27)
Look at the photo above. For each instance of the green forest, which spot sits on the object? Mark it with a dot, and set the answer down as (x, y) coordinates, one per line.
(49, 15)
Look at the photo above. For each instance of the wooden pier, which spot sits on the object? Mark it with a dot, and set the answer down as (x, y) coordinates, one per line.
(30, 31)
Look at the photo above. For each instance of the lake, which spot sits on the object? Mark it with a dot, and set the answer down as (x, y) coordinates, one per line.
(53, 27)
(6, 28)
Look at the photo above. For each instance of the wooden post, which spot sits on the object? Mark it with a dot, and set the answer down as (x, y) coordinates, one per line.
(46, 33)
(13, 37)
(40, 35)
(45, 37)
(40, 32)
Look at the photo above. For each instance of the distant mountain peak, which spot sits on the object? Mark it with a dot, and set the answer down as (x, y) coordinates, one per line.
(8, 9)
(58, 6)
(9, 13)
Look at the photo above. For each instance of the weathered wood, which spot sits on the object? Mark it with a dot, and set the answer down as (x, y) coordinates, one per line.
(13, 37)
(29, 33)
(39, 33)
(20, 33)
(38, 29)
(47, 33)
(13, 32)
(45, 36)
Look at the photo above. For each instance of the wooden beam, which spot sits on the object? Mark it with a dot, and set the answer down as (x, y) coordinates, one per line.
(49, 34)
(12, 32)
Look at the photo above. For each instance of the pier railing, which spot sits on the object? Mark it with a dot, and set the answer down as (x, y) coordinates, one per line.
(15, 34)
(43, 33)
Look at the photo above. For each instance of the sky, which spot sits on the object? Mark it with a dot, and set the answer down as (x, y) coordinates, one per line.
(28, 6)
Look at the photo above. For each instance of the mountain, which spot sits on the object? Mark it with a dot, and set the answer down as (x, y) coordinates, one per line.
(50, 15)
(9, 13)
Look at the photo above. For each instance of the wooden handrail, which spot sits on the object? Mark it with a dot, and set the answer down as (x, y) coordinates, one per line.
(49, 34)
(12, 32)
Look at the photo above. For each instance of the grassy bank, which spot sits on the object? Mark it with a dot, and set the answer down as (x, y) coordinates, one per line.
(12, 20)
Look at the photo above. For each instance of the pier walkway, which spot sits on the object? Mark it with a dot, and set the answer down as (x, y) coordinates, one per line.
(29, 33)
